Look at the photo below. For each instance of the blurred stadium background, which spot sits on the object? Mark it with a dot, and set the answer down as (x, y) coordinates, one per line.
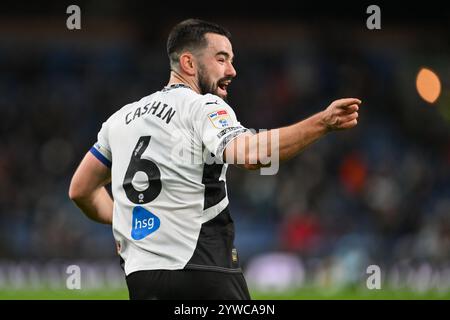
(378, 194)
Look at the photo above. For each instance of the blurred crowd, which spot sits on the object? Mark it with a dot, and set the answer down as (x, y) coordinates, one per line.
(381, 190)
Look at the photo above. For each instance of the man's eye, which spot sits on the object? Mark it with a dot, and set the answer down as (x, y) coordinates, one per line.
(221, 60)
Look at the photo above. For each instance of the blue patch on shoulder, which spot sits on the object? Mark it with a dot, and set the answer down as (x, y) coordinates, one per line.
(144, 223)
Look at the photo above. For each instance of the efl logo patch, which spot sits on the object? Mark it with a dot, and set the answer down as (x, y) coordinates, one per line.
(220, 119)
(144, 223)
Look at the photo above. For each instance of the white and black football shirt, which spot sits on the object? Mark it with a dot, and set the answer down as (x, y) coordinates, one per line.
(170, 196)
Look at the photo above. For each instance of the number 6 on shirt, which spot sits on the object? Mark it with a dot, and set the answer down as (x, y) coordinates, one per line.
(149, 167)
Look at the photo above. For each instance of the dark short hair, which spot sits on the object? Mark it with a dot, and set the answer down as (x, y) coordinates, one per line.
(190, 35)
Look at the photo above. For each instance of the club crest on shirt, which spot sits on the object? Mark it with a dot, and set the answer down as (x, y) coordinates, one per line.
(220, 119)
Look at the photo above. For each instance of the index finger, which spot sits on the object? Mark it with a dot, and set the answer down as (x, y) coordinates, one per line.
(347, 102)
(349, 109)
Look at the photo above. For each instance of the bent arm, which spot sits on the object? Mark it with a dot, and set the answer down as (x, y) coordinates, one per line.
(252, 151)
(87, 189)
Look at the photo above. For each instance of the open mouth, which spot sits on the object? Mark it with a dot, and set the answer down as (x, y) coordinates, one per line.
(223, 85)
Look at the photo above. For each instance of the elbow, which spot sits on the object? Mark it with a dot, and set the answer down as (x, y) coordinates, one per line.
(251, 161)
(75, 193)
(251, 167)
(256, 166)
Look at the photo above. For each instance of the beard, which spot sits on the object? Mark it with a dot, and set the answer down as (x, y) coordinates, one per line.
(207, 86)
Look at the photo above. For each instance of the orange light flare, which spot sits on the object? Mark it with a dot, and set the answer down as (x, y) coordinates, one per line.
(428, 85)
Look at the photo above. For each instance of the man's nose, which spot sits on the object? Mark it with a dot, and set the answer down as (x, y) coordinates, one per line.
(230, 71)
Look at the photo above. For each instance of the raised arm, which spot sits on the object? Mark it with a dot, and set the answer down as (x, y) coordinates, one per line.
(88, 192)
(291, 140)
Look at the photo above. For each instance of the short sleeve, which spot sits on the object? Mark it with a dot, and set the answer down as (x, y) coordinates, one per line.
(216, 124)
(101, 149)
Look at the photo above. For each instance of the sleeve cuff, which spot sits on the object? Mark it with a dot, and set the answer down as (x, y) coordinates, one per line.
(223, 144)
(101, 157)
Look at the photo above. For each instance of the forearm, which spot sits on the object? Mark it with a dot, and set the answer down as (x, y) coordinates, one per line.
(98, 205)
(253, 151)
(294, 138)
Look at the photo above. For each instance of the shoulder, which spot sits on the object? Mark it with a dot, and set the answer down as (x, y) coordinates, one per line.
(211, 99)
(210, 102)
(124, 110)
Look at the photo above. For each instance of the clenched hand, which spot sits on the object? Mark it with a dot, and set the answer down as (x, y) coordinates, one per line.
(341, 114)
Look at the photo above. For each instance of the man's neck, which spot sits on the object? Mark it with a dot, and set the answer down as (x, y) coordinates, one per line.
(176, 77)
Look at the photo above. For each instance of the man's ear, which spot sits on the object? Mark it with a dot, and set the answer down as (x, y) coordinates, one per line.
(187, 64)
